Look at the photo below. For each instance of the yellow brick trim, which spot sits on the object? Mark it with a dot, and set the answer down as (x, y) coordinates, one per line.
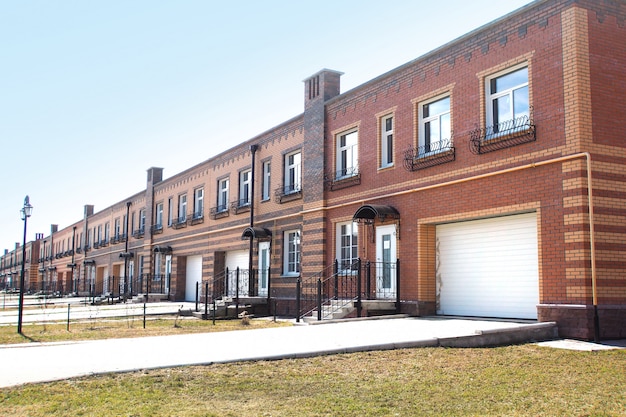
(576, 76)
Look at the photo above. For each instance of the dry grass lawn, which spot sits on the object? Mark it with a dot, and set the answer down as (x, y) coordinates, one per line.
(525, 380)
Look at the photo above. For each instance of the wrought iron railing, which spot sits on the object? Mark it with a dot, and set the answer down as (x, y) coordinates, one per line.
(197, 217)
(240, 206)
(336, 287)
(288, 192)
(343, 178)
(221, 210)
(232, 285)
(429, 155)
(503, 135)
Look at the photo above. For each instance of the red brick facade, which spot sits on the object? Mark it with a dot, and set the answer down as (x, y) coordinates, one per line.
(567, 168)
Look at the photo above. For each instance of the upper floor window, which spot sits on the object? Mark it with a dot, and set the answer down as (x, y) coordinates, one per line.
(293, 173)
(222, 195)
(507, 98)
(245, 180)
(159, 215)
(291, 255)
(386, 141)
(198, 203)
(347, 154)
(347, 245)
(142, 220)
(182, 208)
(170, 211)
(265, 189)
(435, 128)
(107, 231)
(117, 228)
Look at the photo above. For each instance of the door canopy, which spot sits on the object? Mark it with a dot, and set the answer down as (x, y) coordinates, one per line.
(260, 233)
(369, 212)
(162, 249)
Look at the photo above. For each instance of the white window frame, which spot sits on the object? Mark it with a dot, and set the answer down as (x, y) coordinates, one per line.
(266, 183)
(198, 203)
(292, 242)
(142, 220)
(170, 211)
(491, 97)
(182, 208)
(347, 154)
(293, 173)
(347, 244)
(387, 141)
(245, 182)
(222, 195)
(159, 216)
(107, 231)
(157, 267)
(117, 228)
(439, 119)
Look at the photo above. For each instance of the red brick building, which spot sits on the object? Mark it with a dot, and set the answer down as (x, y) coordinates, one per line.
(485, 178)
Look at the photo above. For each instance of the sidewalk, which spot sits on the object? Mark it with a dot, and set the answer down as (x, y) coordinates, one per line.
(40, 362)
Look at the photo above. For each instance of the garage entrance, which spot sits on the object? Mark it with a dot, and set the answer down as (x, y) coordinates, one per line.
(488, 268)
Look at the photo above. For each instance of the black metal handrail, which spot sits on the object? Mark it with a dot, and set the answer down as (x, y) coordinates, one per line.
(334, 287)
(339, 286)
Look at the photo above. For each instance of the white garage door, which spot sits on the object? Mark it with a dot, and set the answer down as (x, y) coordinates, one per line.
(194, 274)
(489, 268)
(237, 259)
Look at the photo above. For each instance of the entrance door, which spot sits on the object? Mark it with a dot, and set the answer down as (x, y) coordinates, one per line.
(193, 276)
(386, 261)
(168, 273)
(237, 259)
(264, 263)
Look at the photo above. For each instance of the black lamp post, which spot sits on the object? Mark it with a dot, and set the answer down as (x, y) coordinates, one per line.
(25, 213)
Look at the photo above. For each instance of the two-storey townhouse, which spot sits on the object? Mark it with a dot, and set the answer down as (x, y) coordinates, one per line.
(60, 272)
(484, 178)
(11, 266)
(490, 169)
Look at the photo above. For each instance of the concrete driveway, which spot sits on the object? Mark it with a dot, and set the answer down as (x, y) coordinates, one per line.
(41, 362)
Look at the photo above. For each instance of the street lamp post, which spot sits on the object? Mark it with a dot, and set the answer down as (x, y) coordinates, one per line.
(25, 212)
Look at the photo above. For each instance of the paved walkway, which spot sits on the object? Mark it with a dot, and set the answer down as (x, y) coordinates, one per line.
(39, 362)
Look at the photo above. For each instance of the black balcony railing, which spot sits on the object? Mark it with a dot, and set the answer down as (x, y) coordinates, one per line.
(197, 217)
(220, 211)
(240, 206)
(343, 178)
(503, 135)
(429, 155)
(288, 192)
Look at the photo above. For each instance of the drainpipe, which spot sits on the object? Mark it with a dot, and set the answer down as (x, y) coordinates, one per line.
(74, 284)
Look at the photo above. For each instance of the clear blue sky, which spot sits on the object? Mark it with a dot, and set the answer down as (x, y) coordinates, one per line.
(95, 92)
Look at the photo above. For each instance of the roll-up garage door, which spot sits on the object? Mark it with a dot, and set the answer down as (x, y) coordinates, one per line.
(489, 267)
